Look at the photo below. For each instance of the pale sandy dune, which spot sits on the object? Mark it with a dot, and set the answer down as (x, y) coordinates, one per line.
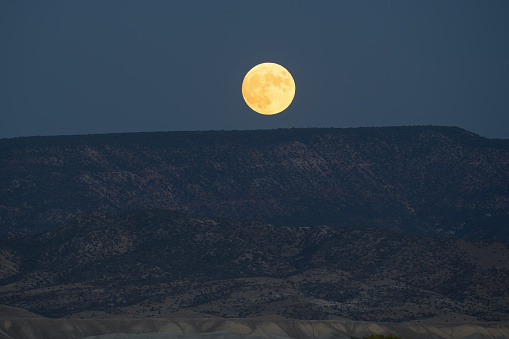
(42, 328)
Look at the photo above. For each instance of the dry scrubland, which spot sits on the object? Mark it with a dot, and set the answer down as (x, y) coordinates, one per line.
(226, 228)
(422, 180)
(157, 263)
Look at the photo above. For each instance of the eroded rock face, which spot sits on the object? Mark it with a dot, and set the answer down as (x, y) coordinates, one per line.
(421, 180)
(233, 329)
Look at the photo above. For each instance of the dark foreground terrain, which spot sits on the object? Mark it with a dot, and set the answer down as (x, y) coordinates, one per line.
(157, 263)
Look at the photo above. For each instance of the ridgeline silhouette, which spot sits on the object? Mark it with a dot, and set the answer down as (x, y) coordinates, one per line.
(441, 181)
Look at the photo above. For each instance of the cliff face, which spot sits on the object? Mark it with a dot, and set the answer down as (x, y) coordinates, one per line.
(424, 180)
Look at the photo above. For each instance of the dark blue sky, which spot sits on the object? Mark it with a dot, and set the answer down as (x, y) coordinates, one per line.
(81, 67)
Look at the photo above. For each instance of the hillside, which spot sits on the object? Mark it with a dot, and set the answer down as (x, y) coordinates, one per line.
(157, 263)
(420, 180)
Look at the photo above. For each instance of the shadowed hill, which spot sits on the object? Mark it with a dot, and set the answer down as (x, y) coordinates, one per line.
(166, 264)
(421, 180)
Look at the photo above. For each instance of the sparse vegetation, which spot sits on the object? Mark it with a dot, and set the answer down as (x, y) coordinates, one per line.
(92, 235)
(429, 180)
(156, 262)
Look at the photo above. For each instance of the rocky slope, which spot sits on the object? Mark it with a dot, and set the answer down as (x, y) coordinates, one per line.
(421, 180)
(158, 263)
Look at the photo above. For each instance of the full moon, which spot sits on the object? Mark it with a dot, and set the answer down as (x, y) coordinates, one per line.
(268, 88)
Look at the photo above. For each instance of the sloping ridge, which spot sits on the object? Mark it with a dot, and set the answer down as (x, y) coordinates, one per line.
(421, 180)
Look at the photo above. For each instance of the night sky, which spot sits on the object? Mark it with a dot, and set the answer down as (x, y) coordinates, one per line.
(85, 67)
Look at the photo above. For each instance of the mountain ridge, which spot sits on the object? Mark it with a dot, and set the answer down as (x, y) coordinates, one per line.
(423, 179)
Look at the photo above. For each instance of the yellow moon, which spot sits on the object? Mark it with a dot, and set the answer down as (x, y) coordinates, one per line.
(268, 88)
